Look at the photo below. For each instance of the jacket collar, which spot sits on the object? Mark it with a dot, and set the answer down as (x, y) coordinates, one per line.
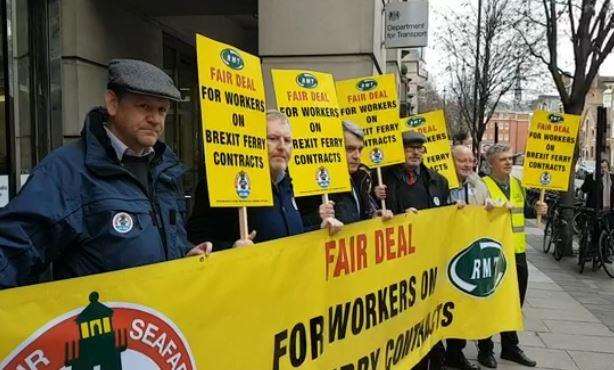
(101, 158)
(425, 173)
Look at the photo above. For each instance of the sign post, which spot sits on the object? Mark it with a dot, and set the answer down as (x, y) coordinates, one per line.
(407, 24)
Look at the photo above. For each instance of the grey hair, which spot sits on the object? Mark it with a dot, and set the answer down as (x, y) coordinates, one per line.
(274, 115)
(496, 149)
(353, 129)
(459, 148)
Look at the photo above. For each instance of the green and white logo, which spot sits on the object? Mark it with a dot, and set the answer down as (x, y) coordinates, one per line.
(307, 80)
(232, 59)
(555, 118)
(366, 84)
(479, 269)
(417, 121)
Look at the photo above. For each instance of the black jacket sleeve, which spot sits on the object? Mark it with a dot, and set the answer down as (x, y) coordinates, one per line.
(309, 208)
(219, 226)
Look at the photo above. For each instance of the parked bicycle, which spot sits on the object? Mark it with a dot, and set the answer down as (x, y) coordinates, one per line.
(598, 251)
(554, 231)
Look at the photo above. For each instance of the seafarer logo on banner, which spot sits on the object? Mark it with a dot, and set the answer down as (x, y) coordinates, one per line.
(111, 336)
(479, 269)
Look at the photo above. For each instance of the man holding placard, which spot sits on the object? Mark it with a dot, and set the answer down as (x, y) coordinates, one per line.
(437, 156)
(221, 225)
(409, 187)
(506, 190)
(412, 185)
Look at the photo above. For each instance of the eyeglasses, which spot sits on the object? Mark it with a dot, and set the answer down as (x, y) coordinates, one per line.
(416, 148)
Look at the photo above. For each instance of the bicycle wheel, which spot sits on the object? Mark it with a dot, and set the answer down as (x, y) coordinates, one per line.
(606, 253)
(578, 222)
(547, 241)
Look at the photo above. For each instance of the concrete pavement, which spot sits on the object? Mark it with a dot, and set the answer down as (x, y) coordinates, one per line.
(569, 317)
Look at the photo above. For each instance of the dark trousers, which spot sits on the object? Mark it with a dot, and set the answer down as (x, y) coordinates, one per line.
(509, 339)
(433, 360)
(454, 348)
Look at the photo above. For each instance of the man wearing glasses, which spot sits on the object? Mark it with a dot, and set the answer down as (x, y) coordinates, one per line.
(409, 187)
(412, 184)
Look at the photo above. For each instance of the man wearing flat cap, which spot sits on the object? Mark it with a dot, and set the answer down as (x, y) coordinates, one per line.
(112, 199)
(412, 186)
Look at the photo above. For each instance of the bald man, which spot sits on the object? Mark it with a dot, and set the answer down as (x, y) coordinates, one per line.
(471, 191)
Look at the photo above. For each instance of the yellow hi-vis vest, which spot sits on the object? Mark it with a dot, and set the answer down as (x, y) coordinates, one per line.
(517, 211)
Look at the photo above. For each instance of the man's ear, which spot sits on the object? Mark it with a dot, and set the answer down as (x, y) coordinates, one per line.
(111, 102)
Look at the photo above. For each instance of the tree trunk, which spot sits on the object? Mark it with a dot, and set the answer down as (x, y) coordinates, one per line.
(567, 198)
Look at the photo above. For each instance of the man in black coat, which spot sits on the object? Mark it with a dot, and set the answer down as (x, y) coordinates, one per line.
(595, 187)
(221, 225)
(409, 187)
(412, 185)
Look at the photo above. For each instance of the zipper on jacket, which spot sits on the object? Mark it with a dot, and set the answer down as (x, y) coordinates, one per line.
(155, 212)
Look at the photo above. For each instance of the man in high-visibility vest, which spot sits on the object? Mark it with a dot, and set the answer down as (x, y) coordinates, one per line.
(505, 189)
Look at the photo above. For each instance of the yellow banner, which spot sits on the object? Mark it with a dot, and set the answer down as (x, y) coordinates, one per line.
(438, 146)
(550, 147)
(234, 125)
(372, 103)
(377, 295)
(318, 163)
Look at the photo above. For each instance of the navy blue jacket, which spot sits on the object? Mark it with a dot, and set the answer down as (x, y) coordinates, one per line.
(221, 225)
(68, 212)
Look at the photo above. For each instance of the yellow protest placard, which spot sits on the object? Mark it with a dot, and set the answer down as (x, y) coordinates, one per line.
(318, 164)
(438, 154)
(372, 104)
(377, 292)
(550, 148)
(234, 125)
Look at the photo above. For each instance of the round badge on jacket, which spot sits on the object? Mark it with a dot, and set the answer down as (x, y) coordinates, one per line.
(436, 201)
(122, 222)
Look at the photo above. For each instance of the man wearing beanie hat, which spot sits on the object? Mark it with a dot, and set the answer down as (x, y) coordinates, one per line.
(112, 199)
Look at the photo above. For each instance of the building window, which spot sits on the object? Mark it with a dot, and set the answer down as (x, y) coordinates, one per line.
(182, 132)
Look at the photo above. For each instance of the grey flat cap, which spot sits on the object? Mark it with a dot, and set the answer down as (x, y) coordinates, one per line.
(140, 77)
(413, 137)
